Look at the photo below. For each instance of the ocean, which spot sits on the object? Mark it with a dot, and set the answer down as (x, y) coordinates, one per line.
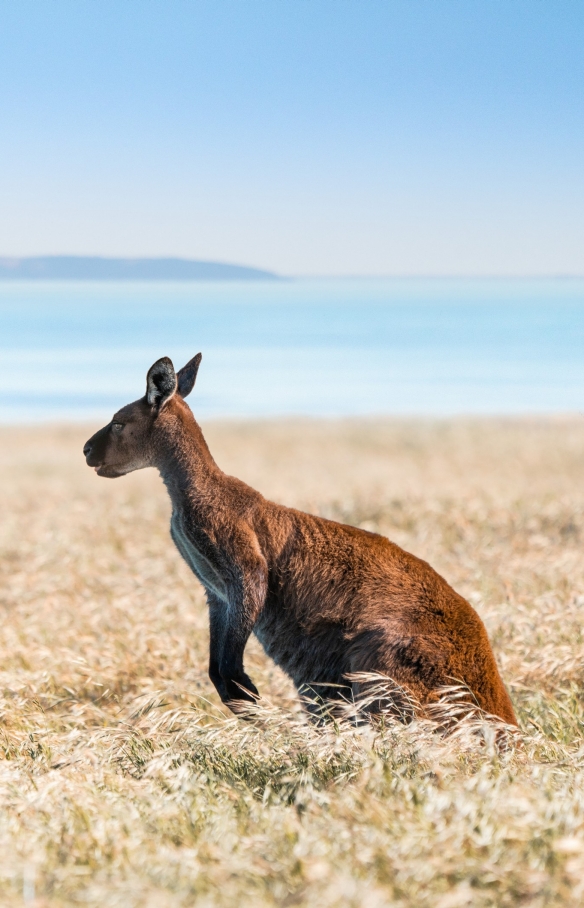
(437, 347)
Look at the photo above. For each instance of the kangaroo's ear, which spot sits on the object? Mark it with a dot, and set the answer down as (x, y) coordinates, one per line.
(160, 383)
(187, 376)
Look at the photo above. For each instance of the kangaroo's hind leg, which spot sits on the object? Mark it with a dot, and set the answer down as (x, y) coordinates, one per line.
(395, 673)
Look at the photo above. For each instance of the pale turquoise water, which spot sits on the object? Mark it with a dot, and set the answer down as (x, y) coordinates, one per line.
(315, 347)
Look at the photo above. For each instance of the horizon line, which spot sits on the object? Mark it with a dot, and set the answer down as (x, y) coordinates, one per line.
(10, 270)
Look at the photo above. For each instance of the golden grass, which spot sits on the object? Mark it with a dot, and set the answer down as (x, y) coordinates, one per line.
(124, 782)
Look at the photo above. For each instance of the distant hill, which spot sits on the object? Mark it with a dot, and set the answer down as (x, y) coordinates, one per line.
(95, 268)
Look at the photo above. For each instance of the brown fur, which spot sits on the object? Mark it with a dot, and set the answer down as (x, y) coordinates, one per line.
(326, 601)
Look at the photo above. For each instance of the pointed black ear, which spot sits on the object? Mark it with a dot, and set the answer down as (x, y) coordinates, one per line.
(187, 376)
(160, 382)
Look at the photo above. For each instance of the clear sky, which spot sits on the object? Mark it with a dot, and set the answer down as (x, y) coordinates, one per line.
(306, 136)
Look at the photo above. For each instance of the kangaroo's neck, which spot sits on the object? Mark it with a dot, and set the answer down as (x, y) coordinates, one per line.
(184, 461)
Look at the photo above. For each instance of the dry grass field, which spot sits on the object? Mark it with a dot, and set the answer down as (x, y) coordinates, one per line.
(123, 780)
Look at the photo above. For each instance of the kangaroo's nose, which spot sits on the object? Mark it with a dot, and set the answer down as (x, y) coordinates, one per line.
(87, 449)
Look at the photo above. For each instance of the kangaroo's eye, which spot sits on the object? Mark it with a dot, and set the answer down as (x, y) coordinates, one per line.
(117, 426)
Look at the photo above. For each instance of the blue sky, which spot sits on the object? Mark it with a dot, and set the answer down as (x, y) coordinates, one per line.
(307, 136)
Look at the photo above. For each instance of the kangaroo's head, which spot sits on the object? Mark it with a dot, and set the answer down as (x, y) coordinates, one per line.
(127, 443)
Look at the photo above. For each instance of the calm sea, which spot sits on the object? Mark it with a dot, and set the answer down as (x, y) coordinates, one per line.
(316, 347)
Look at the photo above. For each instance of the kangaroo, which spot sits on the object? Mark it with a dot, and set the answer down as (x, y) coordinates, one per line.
(327, 601)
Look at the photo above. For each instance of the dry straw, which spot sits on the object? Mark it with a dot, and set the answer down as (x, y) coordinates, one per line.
(125, 782)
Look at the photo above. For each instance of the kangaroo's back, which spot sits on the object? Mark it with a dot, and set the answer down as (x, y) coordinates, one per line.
(342, 600)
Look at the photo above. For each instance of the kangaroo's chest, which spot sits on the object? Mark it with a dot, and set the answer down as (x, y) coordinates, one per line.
(198, 557)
